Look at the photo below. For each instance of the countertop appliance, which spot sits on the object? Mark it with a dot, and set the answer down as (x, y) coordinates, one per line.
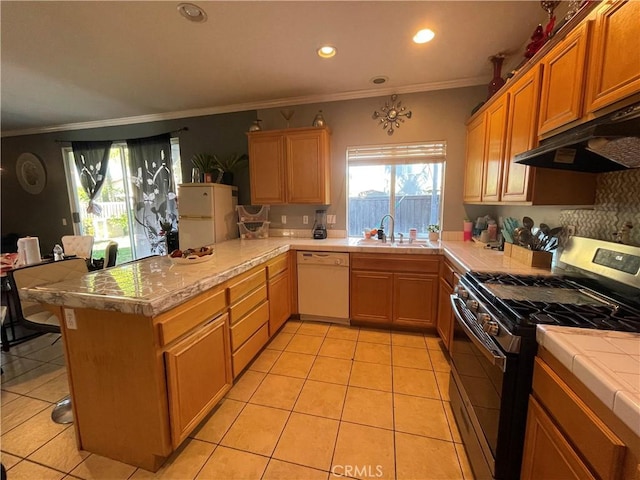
(207, 214)
(320, 225)
(596, 285)
(323, 286)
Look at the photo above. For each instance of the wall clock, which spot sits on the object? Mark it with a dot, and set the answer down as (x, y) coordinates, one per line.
(391, 114)
(31, 174)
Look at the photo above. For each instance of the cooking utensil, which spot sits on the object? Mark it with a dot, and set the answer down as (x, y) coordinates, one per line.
(507, 235)
(526, 239)
(528, 223)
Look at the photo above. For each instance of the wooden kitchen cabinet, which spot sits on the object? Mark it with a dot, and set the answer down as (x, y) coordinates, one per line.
(520, 184)
(371, 298)
(474, 163)
(614, 65)
(279, 292)
(563, 80)
(547, 453)
(394, 290)
(267, 168)
(415, 299)
(445, 320)
(565, 438)
(290, 166)
(140, 384)
(198, 376)
(496, 120)
(248, 316)
(522, 129)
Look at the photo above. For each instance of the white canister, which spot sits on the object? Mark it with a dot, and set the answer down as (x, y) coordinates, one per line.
(29, 251)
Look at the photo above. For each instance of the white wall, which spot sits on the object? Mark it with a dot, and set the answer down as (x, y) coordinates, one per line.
(438, 115)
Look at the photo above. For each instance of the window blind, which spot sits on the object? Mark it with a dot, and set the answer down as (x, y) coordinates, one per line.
(401, 154)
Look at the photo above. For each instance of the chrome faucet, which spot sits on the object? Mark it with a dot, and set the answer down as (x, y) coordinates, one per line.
(393, 223)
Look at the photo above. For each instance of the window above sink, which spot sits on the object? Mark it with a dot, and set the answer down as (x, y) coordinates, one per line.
(404, 180)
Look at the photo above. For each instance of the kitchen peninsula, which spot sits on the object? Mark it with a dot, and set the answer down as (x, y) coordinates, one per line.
(141, 337)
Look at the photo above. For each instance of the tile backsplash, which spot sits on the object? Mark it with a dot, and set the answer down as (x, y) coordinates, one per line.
(617, 202)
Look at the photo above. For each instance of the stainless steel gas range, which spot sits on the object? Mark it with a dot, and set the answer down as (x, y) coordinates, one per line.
(596, 285)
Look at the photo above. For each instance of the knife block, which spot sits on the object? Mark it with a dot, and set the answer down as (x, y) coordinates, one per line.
(528, 257)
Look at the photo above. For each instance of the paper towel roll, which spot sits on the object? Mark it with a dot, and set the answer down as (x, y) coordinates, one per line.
(29, 250)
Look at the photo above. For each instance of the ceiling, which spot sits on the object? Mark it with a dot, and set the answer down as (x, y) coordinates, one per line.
(69, 65)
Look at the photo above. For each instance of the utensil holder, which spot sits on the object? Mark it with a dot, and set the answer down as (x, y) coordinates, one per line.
(528, 257)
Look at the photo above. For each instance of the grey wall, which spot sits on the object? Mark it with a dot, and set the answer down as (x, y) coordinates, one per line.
(438, 115)
(41, 215)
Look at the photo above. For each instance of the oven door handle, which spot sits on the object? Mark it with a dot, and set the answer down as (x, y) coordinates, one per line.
(491, 352)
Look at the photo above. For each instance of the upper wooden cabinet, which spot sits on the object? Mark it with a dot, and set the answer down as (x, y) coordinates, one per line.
(290, 166)
(473, 170)
(494, 151)
(522, 128)
(563, 80)
(485, 154)
(614, 69)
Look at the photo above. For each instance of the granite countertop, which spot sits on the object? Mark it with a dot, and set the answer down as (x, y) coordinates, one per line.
(607, 363)
(154, 285)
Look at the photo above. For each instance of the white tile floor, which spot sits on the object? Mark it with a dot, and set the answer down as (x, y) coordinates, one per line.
(319, 402)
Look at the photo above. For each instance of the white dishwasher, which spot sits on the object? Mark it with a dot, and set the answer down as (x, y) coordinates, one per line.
(323, 286)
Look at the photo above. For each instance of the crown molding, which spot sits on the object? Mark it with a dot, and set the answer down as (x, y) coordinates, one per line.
(241, 107)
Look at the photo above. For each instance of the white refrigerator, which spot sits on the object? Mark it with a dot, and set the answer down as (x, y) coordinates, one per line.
(207, 214)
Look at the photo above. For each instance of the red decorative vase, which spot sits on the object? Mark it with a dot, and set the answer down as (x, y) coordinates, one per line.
(497, 82)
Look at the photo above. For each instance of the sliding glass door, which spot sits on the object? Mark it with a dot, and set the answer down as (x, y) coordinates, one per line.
(115, 223)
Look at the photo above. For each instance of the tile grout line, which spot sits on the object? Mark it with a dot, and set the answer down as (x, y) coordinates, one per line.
(275, 447)
(344, 403)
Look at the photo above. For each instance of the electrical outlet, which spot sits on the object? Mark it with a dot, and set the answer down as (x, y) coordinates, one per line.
(283, 219)
(70, 318)
(331, 219)
(305, 219)
(64, 222)
(571, 230)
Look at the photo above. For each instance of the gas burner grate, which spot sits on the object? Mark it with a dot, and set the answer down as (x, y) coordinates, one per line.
(480, 278)
(582, 316)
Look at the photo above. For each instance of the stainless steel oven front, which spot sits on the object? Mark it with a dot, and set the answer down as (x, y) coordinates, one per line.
(488, 396)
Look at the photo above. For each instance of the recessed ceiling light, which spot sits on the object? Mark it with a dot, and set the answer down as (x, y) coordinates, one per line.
(379, 80)
(192, 12)
(327, 51)
(424, 36)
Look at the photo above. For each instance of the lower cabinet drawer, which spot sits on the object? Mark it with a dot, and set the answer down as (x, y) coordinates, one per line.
(250, 348)
(189, 315)
(244, 306)
(242, 330)
(277, 265)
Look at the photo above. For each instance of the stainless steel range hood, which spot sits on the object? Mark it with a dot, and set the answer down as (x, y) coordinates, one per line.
(605, 144)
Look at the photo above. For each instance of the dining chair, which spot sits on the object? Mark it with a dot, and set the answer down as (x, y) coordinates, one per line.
(79, 245)
(110, 254)
(34, 316)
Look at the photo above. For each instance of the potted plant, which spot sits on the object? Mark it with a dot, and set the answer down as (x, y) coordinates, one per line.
(229, 164)
(206, 163)
(434, 232)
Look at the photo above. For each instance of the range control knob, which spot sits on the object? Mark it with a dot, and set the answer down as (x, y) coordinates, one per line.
(461, 292)
(472, 305)
(491, 327)
(484, 318)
